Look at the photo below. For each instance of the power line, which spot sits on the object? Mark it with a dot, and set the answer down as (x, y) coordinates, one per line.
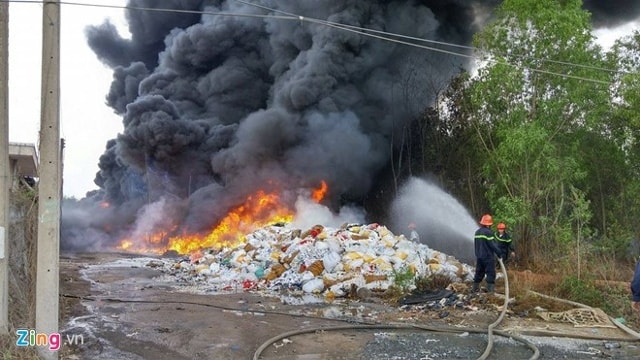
(432, 41)
(475, 57)
(480, 49)
(166, 10)
(364, 31)
(438, 42)
(378, 34)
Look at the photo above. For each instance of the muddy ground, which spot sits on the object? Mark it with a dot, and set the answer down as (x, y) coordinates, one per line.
(127, 312)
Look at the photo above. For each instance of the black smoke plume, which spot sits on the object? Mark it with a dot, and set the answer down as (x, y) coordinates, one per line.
(220, 104)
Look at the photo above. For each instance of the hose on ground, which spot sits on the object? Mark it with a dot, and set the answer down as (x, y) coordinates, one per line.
(487, 350)
(529, 344)
(490, 331)
(276, 338)
(315, 329)
(620, 325)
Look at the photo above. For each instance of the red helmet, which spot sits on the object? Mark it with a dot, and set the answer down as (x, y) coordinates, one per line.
(502, 226)
(486, 220)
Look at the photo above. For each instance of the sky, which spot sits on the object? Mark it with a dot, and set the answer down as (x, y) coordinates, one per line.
(87, 123)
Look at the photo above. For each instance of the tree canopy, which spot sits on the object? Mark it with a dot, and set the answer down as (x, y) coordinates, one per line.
(550, 121)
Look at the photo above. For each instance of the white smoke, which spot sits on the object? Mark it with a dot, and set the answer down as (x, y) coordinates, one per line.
(310, 213)
(153, 217)
(441, 221)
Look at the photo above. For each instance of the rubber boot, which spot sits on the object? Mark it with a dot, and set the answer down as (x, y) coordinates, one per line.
(475, 288)
(491, 288)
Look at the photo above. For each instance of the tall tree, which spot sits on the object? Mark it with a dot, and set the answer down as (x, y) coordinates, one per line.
(620, 212)
(542, 93)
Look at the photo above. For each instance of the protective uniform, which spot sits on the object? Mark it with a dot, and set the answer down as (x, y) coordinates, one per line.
(413, 235)
(505, 242)
(635, 284)
(485, 248)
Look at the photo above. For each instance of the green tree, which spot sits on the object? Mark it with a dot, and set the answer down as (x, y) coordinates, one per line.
(620, 206)
(543, 95)
(452, 142)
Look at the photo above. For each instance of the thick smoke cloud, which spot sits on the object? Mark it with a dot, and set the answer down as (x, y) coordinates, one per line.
(612, 13)
(216, 106)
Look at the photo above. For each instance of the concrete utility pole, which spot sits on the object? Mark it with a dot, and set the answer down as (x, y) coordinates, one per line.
(4, 167)
(49, 187)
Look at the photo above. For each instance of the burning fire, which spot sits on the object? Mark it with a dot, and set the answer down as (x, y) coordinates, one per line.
(318, 194)
(258, 210)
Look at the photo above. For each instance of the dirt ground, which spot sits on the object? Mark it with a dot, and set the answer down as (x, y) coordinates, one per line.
(126, 313)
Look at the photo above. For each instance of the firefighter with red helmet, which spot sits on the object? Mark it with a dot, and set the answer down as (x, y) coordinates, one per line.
(413, 235)
(505, 242)
(486, 249)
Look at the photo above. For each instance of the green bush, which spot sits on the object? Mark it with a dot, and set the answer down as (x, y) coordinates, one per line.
(403, 278)
(582, 291)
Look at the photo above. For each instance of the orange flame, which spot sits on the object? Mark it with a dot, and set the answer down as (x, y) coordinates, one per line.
(126, 244)
(153, 243)
(318, 194)
(258, 210)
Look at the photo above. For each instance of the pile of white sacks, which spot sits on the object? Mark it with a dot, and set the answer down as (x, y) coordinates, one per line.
(321, 260)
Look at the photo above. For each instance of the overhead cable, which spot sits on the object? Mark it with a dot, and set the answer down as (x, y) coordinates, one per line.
(378, 34)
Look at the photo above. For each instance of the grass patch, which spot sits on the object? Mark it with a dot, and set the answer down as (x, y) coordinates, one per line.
(22, 272)
(403, 278)
(431, 283)
(405, 282)
(582, 291)
(10, 351)
(612, 296)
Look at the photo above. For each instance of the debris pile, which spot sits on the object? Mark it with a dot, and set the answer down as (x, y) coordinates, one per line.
(326, 261)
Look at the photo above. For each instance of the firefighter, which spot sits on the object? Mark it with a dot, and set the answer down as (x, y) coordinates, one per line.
(413, 235)
(505, 243)
(635, 288)
(486, 249)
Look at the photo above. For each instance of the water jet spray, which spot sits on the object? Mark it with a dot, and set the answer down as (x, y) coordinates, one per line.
(441, 221)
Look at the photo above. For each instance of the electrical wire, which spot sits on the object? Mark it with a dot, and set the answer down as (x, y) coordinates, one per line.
(466, 47)
(391, 37)
(379, 35)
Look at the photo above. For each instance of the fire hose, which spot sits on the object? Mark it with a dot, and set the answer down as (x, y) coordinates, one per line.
(490, 331)
(620, 325)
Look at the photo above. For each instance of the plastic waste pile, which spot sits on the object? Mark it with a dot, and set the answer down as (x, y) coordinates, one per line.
(324, 261)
